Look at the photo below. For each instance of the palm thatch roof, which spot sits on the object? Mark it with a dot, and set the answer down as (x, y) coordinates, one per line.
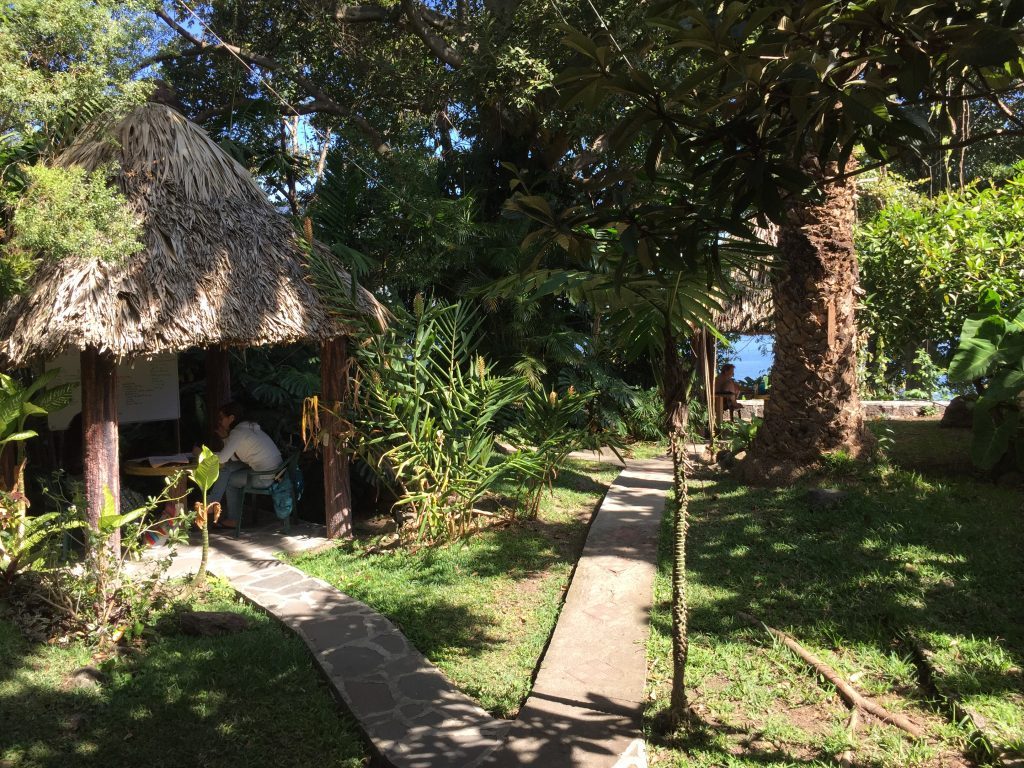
(220, 264)
(749, 308)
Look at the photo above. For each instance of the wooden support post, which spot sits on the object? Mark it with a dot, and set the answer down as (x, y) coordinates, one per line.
(337, 486)
(218, 391)
(99, 427)
(705, 348)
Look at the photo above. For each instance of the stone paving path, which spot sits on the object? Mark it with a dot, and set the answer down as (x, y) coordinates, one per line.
(586, 703)
(585, 707)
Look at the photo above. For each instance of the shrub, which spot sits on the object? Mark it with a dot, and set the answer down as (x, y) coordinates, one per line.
(645, 420)
(427, 412)
(23, 539)
(98, 597)
(991, 350)
(549, 428)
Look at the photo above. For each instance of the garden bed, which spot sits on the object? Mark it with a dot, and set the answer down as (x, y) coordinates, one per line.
(173, 700)
(906, 561)
(482, 608)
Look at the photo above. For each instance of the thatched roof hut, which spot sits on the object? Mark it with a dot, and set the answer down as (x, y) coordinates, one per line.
(220, 266)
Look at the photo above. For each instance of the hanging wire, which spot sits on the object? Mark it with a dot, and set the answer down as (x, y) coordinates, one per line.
(373, 178)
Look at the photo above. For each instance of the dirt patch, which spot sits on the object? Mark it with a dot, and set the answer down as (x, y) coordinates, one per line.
(378, 525)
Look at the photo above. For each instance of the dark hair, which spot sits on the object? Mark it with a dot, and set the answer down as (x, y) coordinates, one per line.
(233, 409)
(728, 367)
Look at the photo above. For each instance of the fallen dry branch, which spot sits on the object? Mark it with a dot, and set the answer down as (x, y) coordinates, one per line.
(849, 695)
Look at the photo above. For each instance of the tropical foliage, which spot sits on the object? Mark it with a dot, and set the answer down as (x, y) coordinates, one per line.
(23, 539)
(62, 63)
(100, 598)
(204, 476)
(924, 262)
(58, 55)
(549, 427)
(992, 349)
(428, 411)
(66, 212)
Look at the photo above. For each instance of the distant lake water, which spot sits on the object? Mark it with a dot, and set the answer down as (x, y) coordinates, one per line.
(752, 356)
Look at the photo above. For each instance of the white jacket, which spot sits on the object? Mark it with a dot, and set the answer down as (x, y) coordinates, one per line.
(247, 442)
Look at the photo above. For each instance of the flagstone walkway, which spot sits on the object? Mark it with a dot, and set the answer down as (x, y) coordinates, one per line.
(584, 710)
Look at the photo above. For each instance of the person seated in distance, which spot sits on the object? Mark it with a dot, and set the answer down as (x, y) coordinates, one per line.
(246, 448)
(726, 386)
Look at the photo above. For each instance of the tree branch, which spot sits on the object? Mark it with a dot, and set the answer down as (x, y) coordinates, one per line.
(1001, 105)
(437, 45)
(321, 101)
(249, 56)
(844, 689)
(369, 14)
(364, 14)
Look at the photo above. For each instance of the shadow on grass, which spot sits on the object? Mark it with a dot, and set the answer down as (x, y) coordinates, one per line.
(442, 598)
(896, 558)
(711, 740)
(181, 701)
(922, 445)
(575, 480)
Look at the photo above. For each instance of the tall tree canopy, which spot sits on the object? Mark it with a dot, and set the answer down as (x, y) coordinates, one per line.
(62, 62)
(755, 109)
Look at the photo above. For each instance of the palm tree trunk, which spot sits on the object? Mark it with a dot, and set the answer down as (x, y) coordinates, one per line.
(814, 407)
(678, 383)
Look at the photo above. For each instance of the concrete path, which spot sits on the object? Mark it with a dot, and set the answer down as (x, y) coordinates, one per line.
(586, 703)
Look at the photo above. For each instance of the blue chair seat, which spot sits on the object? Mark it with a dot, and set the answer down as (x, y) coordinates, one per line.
(258, 484)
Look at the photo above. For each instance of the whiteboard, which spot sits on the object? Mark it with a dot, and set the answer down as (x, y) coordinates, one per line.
(147, 390)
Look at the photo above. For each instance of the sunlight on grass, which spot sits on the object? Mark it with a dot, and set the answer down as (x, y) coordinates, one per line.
(482, 609)
(647, 450)
(904, 556)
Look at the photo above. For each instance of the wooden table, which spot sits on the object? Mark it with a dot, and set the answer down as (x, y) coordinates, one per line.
(142, 468)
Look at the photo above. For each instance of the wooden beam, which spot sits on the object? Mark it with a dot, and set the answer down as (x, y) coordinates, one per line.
(337, 486)
(99, 427)
(705, 348)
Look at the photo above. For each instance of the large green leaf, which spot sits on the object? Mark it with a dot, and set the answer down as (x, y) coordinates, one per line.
(995, 426)
(18, 436)
(110, 520)
(1006, 384)
(980, 340)
(207, 470)
(109, 523)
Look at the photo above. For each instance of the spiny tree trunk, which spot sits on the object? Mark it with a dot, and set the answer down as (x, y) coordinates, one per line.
(813, 407)
(678, 382)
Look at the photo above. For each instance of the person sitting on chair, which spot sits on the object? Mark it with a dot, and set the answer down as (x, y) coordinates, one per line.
(246, 447)
(727, 388)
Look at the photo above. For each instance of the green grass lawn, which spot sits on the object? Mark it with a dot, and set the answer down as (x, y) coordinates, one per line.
(481, 609)
(647, 450)
(904, 556)
(922, 445)
(251, 699)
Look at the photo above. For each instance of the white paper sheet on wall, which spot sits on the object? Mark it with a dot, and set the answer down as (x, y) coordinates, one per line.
(147, 390)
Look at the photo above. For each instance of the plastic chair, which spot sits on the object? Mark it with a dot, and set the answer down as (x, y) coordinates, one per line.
(258, 484)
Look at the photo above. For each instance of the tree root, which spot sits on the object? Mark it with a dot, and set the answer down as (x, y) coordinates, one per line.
(848, 694)
(846, 758)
